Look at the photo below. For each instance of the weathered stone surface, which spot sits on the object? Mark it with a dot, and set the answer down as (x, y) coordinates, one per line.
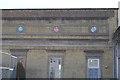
(73, 39)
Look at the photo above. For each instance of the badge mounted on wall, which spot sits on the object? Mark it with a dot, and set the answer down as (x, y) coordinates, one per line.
(20, 28)
(93, 29)
(56, 29)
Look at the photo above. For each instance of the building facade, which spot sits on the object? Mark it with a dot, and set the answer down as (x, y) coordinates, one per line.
(61, 43)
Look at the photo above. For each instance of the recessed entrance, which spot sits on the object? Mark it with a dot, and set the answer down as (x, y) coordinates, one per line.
(55, 67)
(93, 68)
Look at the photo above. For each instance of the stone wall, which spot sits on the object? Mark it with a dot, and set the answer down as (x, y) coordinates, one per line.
(74, 38)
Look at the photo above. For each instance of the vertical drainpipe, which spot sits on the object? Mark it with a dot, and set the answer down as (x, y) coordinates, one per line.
(118, 26)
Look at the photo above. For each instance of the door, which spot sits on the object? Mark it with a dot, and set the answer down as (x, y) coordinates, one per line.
(93, 68)
(55, 67)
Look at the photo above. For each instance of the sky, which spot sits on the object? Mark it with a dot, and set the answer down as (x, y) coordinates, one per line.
(26, 4)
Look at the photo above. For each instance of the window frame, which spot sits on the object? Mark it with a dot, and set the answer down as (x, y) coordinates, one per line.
(98, 64)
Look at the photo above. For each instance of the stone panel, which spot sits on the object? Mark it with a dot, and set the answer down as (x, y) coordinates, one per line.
(74, 64)
(107, 64)
(37, 64)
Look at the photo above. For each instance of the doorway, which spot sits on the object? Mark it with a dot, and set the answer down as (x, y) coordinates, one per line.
(55, 67)
(93, 68)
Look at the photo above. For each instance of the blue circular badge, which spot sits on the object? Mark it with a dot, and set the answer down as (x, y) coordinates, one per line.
(93, 29)
(20, 28)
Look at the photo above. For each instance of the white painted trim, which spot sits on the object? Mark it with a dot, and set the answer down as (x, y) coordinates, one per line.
(11, 69)
(8, 54)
